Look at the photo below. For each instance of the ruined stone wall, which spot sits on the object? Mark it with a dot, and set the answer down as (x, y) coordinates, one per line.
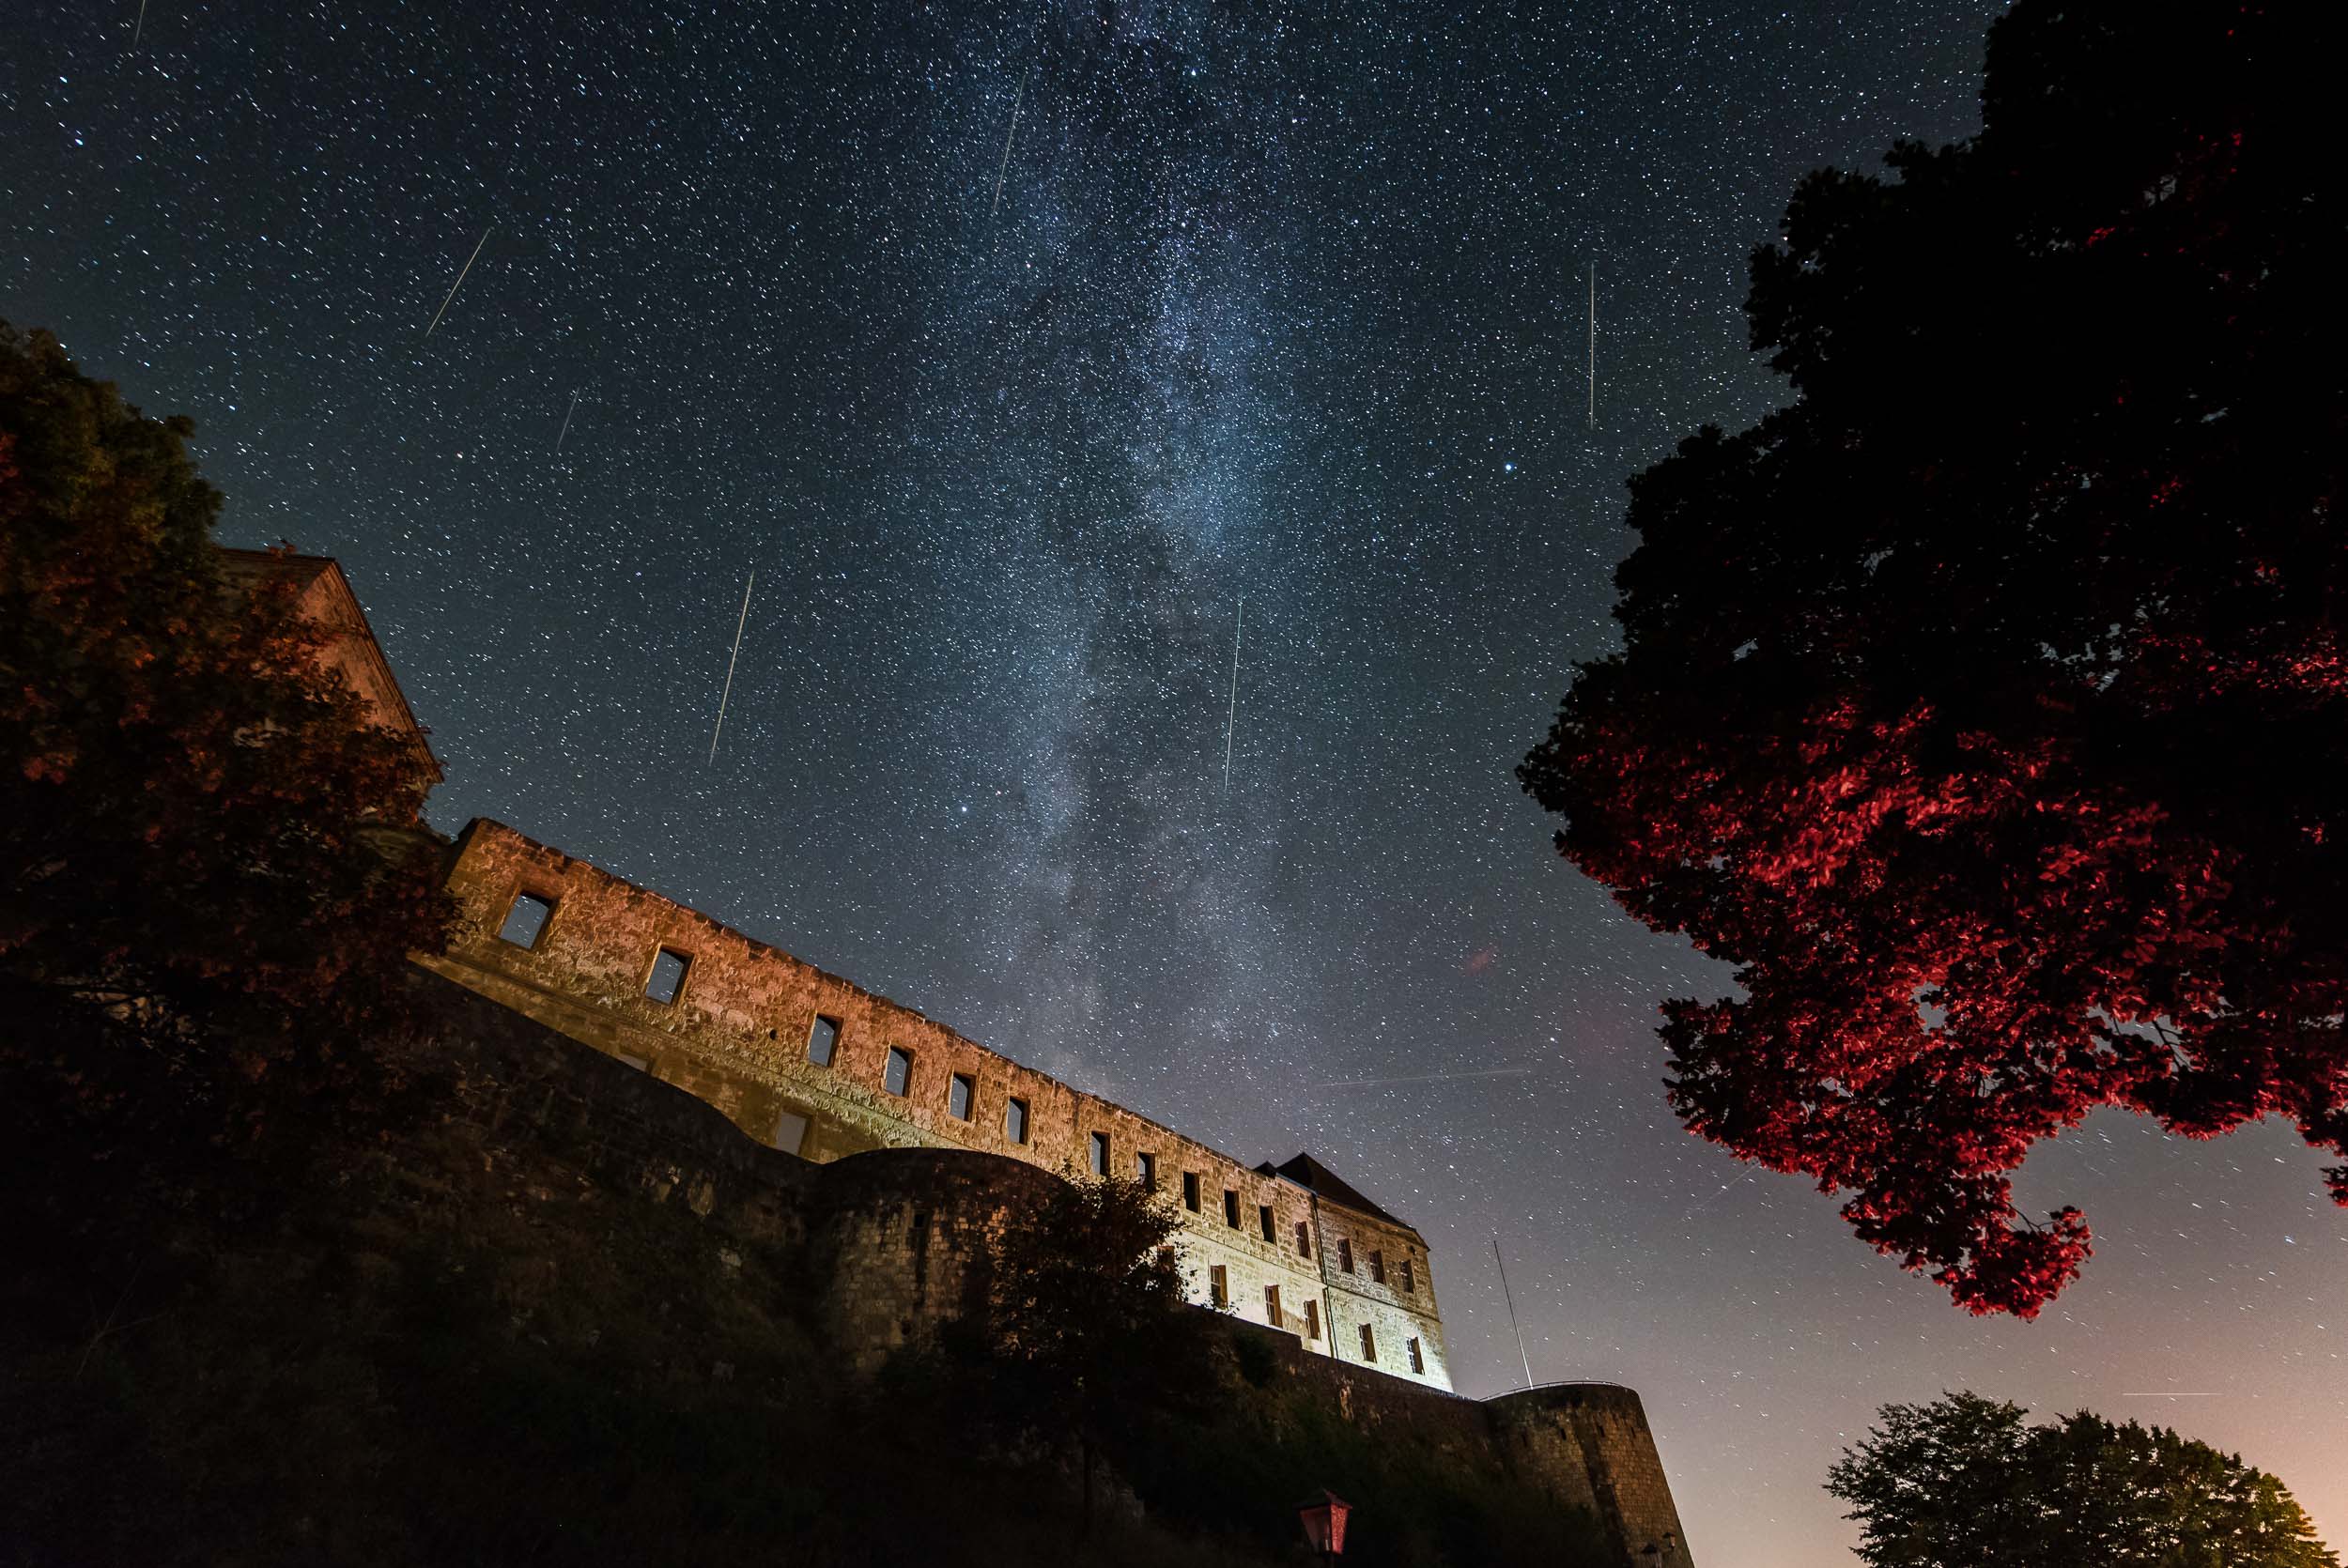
(736, 1036)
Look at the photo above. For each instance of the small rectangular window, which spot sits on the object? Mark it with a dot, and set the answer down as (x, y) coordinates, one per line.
(1377, 1266)
(1230, 1209)
(1345, 1254)
(961, 1097)
(823, 1039)
(1190, 1190)
(1100, 1153)
(1418, 1362)
(527, 920)
(1015, 1121)
(900, 1075)
(790, 1132)
(1263, 1220)
(1304, 1239)
(1218, 1286)
(1410, 1276)
(1146, 1170)
(667, 975)
(1312, 1320)
(1370, 1346)
(1272, 1305)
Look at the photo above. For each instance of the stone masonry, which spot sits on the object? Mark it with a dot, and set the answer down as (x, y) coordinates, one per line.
(809, 1063)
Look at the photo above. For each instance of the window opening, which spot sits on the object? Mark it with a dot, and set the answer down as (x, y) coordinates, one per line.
(1190, 1190)
(1230, 1209)
(961, 1097)
(823, 1039)
(1218, 1286)
(1370, 1346)
(790, 1132)
(1418, 1362)
(1100, 1153)
(900, 1075)
(667, 975)
(1146, 1170)
(1304, 1239)
(527, 920)
(1015, 1121)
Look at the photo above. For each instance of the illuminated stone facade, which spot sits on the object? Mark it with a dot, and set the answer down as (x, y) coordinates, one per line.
(811, 1064)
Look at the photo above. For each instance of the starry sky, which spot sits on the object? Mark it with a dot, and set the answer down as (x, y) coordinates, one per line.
(1012, 348)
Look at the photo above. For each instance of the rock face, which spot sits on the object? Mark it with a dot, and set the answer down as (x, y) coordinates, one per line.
(815, 1066)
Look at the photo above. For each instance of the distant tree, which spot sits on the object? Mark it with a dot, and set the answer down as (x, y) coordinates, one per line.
(1089, 1322)
(1965, 1482)
(192, 807)
(1989, 706)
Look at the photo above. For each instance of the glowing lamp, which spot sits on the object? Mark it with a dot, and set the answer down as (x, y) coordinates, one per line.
(1323, 1516)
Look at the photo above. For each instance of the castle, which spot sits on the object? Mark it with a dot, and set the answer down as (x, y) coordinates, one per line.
(890, 1145)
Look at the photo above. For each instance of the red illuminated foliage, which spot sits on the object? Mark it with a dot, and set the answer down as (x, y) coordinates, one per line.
(1989, 706)
(199, 831)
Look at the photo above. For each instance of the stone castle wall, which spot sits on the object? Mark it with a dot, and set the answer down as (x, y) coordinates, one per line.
(888, 1243)
(736, 1036)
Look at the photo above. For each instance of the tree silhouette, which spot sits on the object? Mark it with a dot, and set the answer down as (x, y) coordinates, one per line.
(1965, 1482)
(1087, 1321)
(193, 811)
(1989, 706)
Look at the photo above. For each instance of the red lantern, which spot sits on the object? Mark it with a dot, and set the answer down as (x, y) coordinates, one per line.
(1324, 1522)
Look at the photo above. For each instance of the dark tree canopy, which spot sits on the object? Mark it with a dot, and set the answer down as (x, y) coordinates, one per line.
(1965, 1482)
(196, 820)
(1087, 1318)
(1989, 706)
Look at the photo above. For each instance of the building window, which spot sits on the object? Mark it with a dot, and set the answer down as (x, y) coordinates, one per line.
(790, 1132)
(1218, 1286)
(1272, 1305)
(900, 1075)
(1190, 1190)
(822, 1039)
(961, 1097)
(1263, 1220)
(1312, 1320)
(1410, 1276)
(1304, 1239)
(667, 975)
(1100, 1153)
(1345, 1254)
(1230, 1209)
(1377, 1266)
(1370, 1346)
(1146, 1170)
(1015, 1121)
(1418, 1362)
(527, 920)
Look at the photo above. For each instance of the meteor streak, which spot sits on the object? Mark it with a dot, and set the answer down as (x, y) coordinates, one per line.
(1007, 136)
(1426, 1078)
(458, 285)
(566, 423)
(742, 621)
(1231, 722)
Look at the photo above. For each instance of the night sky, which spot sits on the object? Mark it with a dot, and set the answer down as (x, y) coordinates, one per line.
(1288, 304)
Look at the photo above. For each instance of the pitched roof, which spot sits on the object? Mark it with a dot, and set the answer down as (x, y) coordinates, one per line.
(1317, 1178)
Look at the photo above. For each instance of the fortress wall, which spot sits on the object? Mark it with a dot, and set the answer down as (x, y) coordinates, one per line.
(887, 1242)
(736, 1037)
(1592, 1440)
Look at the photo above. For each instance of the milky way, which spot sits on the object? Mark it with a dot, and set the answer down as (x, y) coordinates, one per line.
(1288, 304)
